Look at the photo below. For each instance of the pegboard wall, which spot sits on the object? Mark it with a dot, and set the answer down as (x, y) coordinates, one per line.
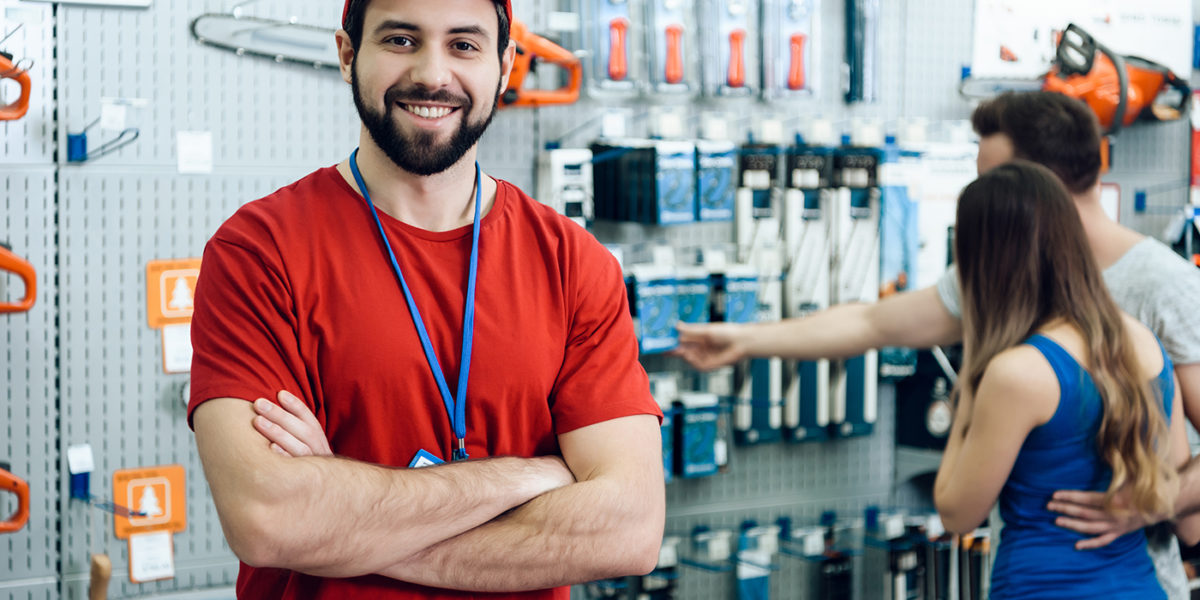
(84, 367)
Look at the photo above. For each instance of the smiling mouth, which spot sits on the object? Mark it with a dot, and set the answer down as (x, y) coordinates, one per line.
(428, 112)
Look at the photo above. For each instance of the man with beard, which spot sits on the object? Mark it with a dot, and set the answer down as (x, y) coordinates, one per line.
(420, 313)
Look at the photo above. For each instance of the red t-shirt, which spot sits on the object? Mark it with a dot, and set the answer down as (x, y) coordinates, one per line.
(296, 293)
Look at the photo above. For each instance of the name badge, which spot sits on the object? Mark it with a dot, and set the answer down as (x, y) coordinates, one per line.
(424, 459)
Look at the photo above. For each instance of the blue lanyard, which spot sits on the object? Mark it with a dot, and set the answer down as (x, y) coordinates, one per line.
(456, 408)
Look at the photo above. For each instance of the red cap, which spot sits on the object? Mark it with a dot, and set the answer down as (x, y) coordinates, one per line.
(507, 9)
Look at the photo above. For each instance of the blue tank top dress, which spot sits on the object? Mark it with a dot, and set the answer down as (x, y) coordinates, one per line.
(1038, 559)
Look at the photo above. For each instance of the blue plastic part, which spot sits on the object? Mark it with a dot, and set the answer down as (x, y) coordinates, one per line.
(81, 486)
(1139, 201)
(77, 147)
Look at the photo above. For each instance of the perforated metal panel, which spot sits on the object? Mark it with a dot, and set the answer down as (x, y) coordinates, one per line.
(272, 123)
(115, 394)
(29, 140)
(28, 380)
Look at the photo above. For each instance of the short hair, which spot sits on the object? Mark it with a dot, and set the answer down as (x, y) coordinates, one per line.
(1048, 128)
(356, 14)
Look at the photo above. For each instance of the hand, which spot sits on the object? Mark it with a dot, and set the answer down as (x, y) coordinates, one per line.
(291, 428)
(552, 472)
(709, 346)
(1084, 512)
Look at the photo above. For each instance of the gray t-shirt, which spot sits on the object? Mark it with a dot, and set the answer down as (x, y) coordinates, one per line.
(1159, 288)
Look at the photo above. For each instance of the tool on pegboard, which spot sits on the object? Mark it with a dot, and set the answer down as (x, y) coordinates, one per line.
(789, 29)
(77, 143)
(80, 463)
(614, 45)
(14, 485)
(21, 267)
(531, 48)
(101, 573)
(19, 72)
(275, 39)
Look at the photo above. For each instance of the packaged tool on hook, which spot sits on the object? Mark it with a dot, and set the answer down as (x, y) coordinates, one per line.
(77, 144)
(789, 48)
(731, 48)
(671, 47)
(615, 44)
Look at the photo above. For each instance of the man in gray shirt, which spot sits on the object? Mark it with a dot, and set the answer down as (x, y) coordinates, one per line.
(1146, 278)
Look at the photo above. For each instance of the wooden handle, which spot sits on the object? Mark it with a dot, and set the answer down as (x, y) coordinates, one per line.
(101, 573)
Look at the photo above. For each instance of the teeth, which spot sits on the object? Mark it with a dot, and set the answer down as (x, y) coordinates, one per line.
(428, 112)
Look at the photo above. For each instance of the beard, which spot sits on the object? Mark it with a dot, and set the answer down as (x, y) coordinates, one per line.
(419, 153)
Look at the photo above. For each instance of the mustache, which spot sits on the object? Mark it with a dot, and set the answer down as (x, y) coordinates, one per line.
(412, 94)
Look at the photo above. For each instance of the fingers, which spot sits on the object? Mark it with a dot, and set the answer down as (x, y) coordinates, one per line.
(1086, 527)
(1093, 499)
(1079, 511)
(1096, 542)
(276, 425)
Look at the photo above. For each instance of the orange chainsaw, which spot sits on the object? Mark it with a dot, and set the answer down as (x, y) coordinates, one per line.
(12, 262)
(1119, 89)
(15, 485)
(530, 48)
(19, 74)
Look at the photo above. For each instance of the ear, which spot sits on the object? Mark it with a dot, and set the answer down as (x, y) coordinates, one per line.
(506, 64)
(345, 50)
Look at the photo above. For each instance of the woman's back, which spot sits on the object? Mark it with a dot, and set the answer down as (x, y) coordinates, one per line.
(1036, 558)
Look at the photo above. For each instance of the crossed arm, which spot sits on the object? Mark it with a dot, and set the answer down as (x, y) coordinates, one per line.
(443, 526)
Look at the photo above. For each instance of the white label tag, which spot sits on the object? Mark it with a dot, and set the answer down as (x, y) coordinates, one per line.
(195, 149)
(151, 556)
(80, 459)
(112, 116)
(177, 348)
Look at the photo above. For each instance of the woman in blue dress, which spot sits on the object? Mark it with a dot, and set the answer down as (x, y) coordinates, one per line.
(1059, 390)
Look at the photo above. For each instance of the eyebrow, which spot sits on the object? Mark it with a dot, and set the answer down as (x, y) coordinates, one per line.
(406, 26)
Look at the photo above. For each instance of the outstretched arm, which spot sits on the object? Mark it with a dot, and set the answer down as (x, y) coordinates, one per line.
(335, 517)
(914, 319)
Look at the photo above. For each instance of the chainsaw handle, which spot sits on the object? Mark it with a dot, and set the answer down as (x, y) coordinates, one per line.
(532, 46)
(15, 485)
(20, 106)
(1086, 47)
(18, 265)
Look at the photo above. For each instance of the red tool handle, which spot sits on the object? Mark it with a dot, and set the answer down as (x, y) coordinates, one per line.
(795, 80)
(20, 106)
(737, 58)
(13, 484)
(18, 265)
(618, 63)
(674, 69)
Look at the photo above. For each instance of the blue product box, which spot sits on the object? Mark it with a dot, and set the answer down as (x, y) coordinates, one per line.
(693, 287)
(654, 308)
(716, 180)
(696, 435)
(675, 183)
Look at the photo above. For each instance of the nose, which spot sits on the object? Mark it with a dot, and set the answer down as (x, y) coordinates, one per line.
(431, 69)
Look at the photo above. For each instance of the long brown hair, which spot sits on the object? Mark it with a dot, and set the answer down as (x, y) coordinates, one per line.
(1023, 261)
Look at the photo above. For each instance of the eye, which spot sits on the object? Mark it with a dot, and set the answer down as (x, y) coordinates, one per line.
(400, 41)
(464, 46)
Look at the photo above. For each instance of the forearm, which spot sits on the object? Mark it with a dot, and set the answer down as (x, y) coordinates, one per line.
(583, 532)
(1188, 501)
(946, 506)
(341, 518)
(913, 319)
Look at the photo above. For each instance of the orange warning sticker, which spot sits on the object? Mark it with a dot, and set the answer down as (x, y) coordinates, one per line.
(158, 493)
(170, 290)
